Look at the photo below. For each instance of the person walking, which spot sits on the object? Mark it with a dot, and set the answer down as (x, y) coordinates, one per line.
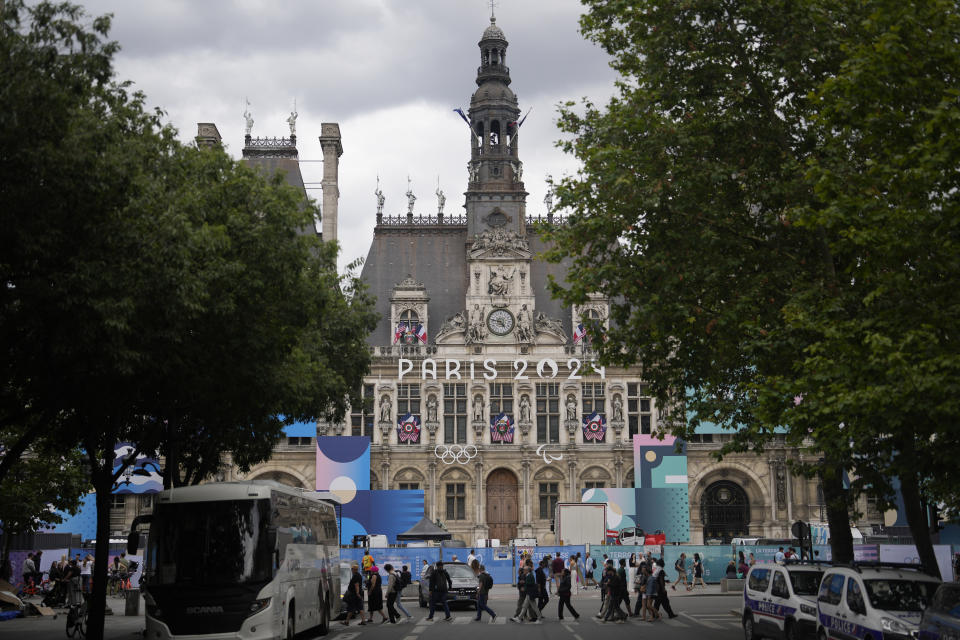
(531, 591)
(650, 596)
(521, 591)
(353, 596)
(625, 584)
(485, 583)
(393, 585)
(556, 568)
(440, 584)
(375, 595)
(681, 566)
(639, 587)
(71, 577)
(662, 599)
(405, 579)
(563, 593)
(614, 592)
(697, 572)
(543, 591)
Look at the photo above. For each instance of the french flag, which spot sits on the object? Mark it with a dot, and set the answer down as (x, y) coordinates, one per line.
(422, 333)
(579, 333)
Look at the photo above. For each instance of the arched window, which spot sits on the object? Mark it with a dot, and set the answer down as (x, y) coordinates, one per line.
(589, 315)
(495, 133)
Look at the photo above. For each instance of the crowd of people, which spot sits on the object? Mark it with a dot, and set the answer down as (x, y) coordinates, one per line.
(68, 578)
(535, 583)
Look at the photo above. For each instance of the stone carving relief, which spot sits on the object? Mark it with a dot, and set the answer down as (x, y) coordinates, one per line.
(544, 324)
(524, 331)
(457, 323)
(500, 241)
(500, 281)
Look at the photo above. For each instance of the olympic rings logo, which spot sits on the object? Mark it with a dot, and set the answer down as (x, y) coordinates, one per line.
(450, 453)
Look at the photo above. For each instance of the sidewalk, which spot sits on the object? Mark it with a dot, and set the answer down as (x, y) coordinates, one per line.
(117, 627)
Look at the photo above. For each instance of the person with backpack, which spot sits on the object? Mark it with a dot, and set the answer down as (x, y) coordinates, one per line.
(440, 584)
(404, 578)
(393, 581)
(681, 566)
(353, 596)
(485, 583)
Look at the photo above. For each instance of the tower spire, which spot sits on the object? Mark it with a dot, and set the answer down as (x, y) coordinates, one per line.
(493, 5)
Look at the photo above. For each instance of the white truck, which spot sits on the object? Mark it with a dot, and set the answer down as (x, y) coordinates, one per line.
(581, 523)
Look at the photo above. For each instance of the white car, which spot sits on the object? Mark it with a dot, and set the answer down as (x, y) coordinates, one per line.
(780, 601)
(873, 602)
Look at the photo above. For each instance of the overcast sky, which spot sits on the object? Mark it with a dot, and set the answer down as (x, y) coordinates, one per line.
(388, 71)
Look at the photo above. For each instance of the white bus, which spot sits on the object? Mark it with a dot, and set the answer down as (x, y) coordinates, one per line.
(251, 560)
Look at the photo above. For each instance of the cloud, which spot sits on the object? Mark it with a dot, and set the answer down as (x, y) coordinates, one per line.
(388, 71)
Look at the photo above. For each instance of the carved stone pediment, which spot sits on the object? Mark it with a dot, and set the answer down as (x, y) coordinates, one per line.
(499, 243)
(455, 324)
(549, 326)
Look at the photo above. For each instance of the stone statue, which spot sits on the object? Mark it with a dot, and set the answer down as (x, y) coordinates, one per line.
(524, 408)
(248, 118)
(457, 322)
(410, 197)
(478, 408)
(380, 199)
(292, 121)
(548, 199)
(525, 331)
(477, 330)
(571, 408)
(474, 170)
(499, 284)
(617, 408)
(543, 323)
(517, 167)
(432, 408)
(385, 408)
(441, 199)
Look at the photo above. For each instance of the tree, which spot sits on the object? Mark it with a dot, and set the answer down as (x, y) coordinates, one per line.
(44, 484)
(887, 342)
(152, 289)
(770, 202)
(680, 214)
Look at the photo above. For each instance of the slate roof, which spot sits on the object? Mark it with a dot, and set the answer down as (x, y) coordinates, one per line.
(437, 257)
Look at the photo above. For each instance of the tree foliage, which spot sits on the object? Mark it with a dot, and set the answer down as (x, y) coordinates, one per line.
(153, 293)
(724, 206)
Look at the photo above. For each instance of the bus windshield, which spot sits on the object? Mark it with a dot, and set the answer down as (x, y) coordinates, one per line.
(210, 543)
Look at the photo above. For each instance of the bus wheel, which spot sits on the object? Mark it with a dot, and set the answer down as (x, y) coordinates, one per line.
(290, 631)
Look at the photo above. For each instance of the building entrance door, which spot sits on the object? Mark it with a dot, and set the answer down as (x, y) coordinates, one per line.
(725, 512)
(502, 505)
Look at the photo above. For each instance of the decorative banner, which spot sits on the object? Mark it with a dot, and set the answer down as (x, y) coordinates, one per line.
(594, 427)
(408, 428)
(142, 476)
(660, 477)
(343, 465)
(501, 428)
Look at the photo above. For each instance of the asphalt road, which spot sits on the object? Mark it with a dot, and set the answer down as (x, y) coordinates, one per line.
(700, 616)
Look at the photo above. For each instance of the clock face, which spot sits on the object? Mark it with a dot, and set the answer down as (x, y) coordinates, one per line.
(500, 322)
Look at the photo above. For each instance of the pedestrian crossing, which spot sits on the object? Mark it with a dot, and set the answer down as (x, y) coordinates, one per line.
(711, 621)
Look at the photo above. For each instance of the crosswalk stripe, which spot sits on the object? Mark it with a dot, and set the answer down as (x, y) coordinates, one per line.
(698, 620)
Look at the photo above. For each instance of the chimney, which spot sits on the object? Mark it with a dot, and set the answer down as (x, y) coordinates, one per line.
(208, 136)
(332, 150)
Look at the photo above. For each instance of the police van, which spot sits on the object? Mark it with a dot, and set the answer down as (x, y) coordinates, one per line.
(780, 601)
(874, 601)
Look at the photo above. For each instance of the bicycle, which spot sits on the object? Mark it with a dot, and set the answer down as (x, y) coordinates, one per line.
(77, 618)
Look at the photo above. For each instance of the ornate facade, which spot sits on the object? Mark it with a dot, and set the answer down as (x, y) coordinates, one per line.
(480, 338)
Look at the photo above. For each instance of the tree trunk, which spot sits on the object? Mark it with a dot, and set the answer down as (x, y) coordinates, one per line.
(102, 476)
(6, 571)
(917, 519)
(838, 515)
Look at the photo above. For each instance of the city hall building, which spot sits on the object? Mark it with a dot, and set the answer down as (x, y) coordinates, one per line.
(482, 391)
